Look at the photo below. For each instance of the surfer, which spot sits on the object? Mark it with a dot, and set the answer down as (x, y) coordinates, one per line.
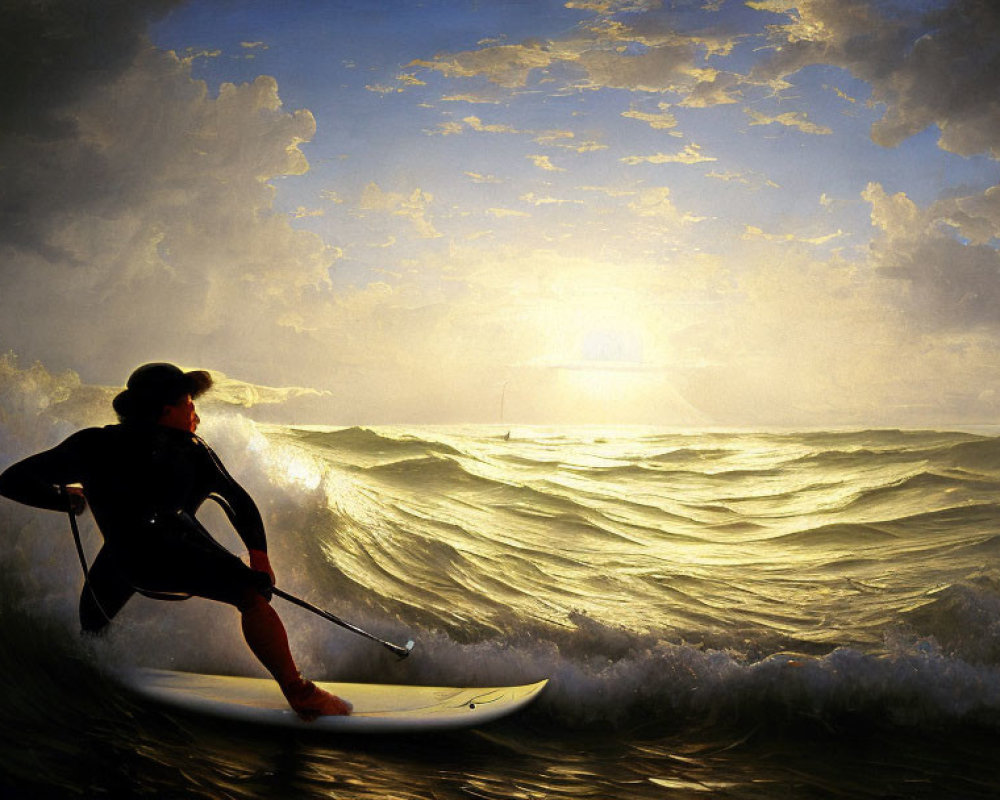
(144, 479)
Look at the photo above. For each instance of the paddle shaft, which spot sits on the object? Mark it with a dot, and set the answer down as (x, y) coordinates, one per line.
(396, 649)
(83, 562)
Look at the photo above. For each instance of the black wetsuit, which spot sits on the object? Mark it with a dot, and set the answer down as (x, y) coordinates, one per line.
(144, 484)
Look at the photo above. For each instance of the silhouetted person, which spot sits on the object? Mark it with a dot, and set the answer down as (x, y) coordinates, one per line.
(145, 479)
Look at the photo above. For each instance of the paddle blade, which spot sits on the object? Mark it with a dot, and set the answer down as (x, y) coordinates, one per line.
(402, 652)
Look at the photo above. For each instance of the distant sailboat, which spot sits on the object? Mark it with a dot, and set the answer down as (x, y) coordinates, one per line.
(503, 395)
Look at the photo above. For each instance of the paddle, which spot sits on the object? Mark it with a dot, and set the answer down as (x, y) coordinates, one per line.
(400, 650)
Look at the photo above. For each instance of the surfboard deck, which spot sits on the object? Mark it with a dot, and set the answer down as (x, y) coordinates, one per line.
(378, 708)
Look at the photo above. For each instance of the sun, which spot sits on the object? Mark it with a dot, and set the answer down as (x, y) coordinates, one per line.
(601, 329)
(610, 346)
(597, 350)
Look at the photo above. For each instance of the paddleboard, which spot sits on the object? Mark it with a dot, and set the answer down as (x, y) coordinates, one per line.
(378, 708)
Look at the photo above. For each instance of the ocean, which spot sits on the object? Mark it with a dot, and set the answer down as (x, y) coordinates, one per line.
(784, 614)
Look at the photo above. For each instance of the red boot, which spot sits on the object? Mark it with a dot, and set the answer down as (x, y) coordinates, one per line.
(309, 701)
(267, 639)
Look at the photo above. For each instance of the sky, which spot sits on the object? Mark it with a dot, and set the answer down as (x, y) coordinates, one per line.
(718, 213)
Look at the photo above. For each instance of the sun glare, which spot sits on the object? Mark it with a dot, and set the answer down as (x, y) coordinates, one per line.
(603, 360)
(597, 379)
(601, 349)
(611, 346)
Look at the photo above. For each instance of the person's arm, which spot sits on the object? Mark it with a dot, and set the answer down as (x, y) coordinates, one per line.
(40, 480)
(242, 512)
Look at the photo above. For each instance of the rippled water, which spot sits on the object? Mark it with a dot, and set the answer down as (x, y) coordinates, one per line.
(805, 614)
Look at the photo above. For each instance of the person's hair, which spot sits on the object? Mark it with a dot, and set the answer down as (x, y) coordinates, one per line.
(151, 387)
(135, 408)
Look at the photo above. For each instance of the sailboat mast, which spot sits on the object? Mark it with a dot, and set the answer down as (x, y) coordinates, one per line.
(503, 396)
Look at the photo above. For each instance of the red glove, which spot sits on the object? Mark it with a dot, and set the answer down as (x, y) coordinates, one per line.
(260, 562)
(75, 501)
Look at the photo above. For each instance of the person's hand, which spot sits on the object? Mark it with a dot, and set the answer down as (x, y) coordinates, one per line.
(260, 562)
(75, 501)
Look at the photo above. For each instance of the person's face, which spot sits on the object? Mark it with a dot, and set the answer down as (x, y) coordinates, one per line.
(181, 415)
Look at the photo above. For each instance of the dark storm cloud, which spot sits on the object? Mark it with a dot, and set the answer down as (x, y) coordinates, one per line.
(52, 52)
(939, 67)
(137, 217)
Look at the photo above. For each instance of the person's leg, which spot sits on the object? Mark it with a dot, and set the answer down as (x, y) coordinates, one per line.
(104, 594)
(265, 635)
(196, 564)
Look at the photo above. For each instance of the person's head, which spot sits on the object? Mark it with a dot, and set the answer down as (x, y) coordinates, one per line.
(162, 394)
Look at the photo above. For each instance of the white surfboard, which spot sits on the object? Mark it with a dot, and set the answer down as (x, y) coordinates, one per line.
(378, 708)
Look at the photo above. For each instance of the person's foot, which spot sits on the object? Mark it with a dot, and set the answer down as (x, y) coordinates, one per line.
(310, 702)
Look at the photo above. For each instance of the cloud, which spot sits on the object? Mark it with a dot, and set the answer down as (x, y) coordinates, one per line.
(545, 200)
(751, 232)
(193, 53)
(566, 140)
(45, 74)
(580, 147)
(381, 88)
(133, 195)
(791, 119)
(713, 89)
(841, 94)
(410, 80)
(897, 214)
(477, 125)
(553, 137)
(929, 65)
(661, 121)
(473, 123)
(752, 179)
(664, 66)
(506, 65)
(302, 212)
(655, 202)
(976, 218)
(728, 176)
(691, 154)
(941, 256)
(647, 56)
(412, 206)
(450, 128)
(610, 191)
(543, 162)
(469, 97)
(613, 6)
(479, 178)
(501, 213)
(562, 139)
